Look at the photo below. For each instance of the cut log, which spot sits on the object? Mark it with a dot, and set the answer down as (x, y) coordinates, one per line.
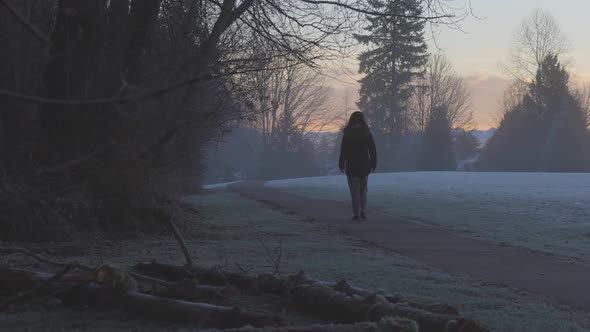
(319, 299)
(29, 293)
(167, 271)
(203, 314)
(344, 308)
(385, 325)
(189, 290)
(14, 280)
(264, 282)
(345, 287)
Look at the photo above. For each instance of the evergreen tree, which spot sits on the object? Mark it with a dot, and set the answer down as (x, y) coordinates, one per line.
(437, 149)
(466, 145)
(546, 131)
(549, 90)
(397, 56)
(515, 145)
(565, 149)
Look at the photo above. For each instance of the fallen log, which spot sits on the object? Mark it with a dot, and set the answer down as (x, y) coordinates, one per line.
(345, 287)
(167, 271)
(385, 325)
(31, 291)
(266, 283)
(189, 290)
(344, 308)
(317, 298)
(202, 314)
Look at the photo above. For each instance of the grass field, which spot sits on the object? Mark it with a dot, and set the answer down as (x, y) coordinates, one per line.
(539, 211)
(241, 234)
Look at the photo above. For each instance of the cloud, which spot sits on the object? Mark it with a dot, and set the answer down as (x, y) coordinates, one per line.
(579, 78)
(486, 92)
(486, 96)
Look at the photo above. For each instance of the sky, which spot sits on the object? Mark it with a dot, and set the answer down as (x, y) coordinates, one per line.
(478, 49)
(485, 41)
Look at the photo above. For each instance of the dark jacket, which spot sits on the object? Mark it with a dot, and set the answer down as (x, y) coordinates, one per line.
(358, 154)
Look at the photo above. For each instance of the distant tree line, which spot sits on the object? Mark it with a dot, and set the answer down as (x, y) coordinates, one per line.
(418, 107)
(544, 127)
(545, 131)
(241, 155)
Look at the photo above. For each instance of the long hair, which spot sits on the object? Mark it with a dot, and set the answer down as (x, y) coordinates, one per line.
(358, 119)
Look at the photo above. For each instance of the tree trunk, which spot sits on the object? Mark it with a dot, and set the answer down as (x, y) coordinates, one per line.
(71, 72)
(190, 291)
(344, 308)
(345, 287)
(142, 16)
(385, 325)
(319, 299)
(203, 314)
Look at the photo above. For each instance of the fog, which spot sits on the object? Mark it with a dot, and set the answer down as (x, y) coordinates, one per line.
(289, 165)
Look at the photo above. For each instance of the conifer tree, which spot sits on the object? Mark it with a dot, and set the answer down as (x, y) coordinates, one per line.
(466, 145)
(437, 147)
(545, 131)
(396, 56)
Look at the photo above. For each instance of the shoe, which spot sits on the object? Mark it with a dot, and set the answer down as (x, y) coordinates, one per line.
(356, 218)
(363, 216)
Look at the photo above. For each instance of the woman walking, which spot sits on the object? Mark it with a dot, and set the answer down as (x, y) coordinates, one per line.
(358, 158)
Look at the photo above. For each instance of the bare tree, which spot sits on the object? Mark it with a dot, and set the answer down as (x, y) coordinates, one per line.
(291, 100)
(306, 101)
(148, 83)
(538, 36)
(511, 97)
(441, 86)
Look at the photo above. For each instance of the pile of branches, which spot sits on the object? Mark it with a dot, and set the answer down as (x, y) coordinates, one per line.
(184, 294)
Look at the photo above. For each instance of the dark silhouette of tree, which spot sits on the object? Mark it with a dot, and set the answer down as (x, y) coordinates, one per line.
(396, 57)
(538, 36)
(466, 145)
(566, 147)
(545, 131)
(96, 48)
(437, 146)
(514, 145)
(440, 85)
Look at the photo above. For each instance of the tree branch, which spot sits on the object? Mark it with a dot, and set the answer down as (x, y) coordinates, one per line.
(121, 100)
(371, 12)
(44, 260)
(26, 23)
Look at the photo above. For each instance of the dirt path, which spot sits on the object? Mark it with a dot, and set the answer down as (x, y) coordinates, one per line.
(551, 276)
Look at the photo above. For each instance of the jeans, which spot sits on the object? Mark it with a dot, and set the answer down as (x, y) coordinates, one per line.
(358, 193)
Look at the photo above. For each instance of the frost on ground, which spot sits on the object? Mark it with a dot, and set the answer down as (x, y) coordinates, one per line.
(230, 234)
(330, 256)
(218, 185)
(547, 212)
